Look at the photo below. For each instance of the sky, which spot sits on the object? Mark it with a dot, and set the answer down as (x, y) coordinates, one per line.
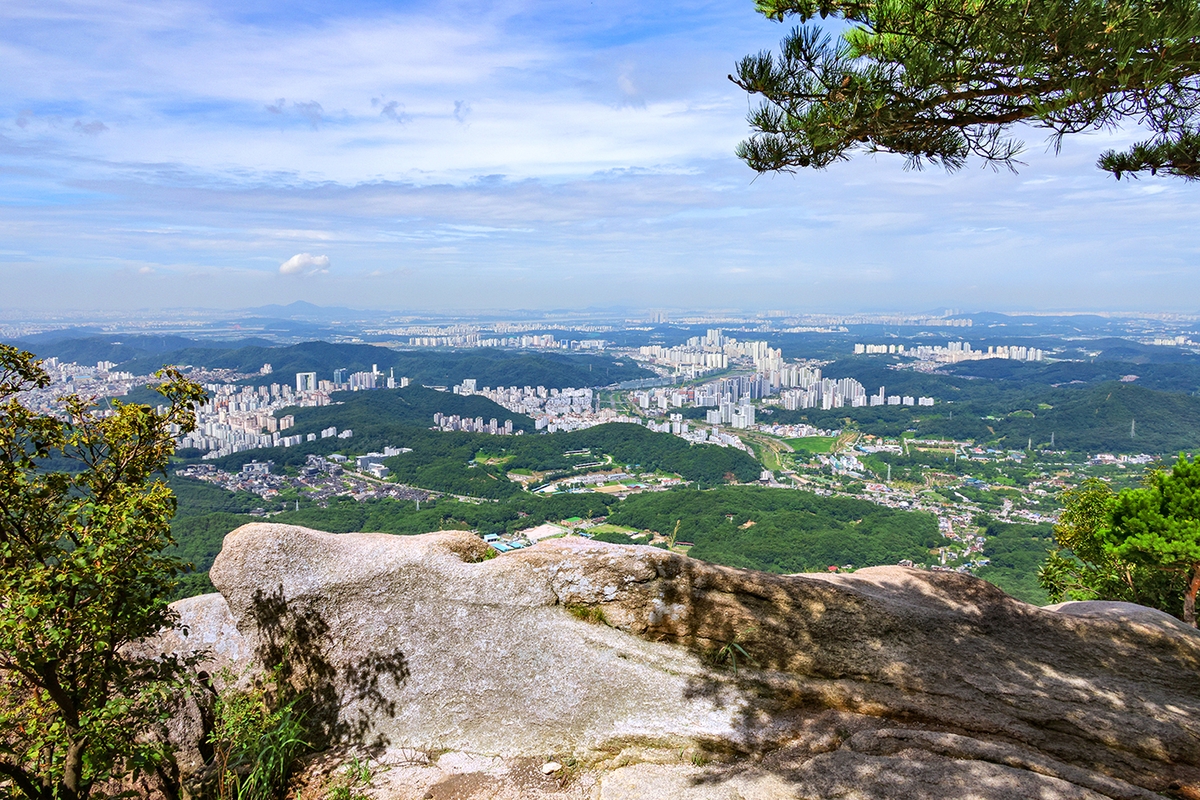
(515, 154)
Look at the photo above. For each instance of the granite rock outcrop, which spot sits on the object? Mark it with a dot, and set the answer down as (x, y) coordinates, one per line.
(655, 675)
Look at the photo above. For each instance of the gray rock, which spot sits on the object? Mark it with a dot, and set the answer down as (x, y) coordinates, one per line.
(205, 628)
(1122, 613)
(422, 642)
(205, 625)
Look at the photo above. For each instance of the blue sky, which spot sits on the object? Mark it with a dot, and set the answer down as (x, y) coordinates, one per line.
(510, 154)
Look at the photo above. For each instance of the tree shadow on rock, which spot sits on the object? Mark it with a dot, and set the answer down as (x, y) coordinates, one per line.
(295, 639)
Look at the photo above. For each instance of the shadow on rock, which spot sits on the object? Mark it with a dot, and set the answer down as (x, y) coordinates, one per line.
(295, 639)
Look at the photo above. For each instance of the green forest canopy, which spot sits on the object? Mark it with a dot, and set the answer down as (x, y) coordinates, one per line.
(1110, 417)
(489, 367)
(783, 530)
(793, 531)
(446, 462)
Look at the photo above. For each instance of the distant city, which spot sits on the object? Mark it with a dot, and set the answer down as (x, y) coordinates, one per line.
(905, 411)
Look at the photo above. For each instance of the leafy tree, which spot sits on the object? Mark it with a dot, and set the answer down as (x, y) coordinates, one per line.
(1084, 566)
(940, 80)
(1159, 527)
(83, 580)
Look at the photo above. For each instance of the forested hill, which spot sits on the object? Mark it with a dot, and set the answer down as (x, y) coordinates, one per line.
(783, 530)
(383, 409)
(1108, 417)
(433, 368)
(123, 348)
(143, 355)
(446, 462)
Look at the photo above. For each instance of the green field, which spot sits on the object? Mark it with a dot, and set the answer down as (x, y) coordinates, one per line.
(813, 444)
(606, 528)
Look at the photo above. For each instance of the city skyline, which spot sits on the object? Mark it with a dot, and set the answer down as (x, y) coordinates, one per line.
(514, 155)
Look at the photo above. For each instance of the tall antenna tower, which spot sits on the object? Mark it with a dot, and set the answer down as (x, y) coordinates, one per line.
(1132, 422)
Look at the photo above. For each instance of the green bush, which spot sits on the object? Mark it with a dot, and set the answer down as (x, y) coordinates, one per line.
(256, 741)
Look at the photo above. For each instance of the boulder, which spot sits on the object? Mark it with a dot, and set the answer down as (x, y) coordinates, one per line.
(872, 684)
(204, 627)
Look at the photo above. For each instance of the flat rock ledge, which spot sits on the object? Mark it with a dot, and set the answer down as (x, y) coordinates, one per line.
(645, 674)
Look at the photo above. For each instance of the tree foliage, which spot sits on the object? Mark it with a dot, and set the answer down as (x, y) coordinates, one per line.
(84, 580)
(1158, 527)
(1083, 565)
(939, 81)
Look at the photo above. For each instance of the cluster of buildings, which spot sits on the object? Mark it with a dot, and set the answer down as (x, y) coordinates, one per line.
(740, 415)
(734, 388)
(953, 352)
(677, 425)
(67, 377)
(714, 436)
(828, 393)
(797, 387)
(346, 381)
(539, 341)
(797, 431)
(1174, 341)
(711, 352)
(371, 463)
(552, 410)
(237, 418)
(560, 410)
(454, 422)
(321, 478)
(255, 478)
(1109, 458)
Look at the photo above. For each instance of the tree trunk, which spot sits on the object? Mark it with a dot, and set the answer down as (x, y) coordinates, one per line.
(1189, 597)
(73, 770)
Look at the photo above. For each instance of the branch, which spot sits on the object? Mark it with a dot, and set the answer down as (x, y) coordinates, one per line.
(22, 780)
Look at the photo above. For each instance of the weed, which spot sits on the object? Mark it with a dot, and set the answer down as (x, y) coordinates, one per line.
(488, 554)
(256, 740)
(360, 771)
(592, 614)
(356, 775)
(729, 653)
(255, 747)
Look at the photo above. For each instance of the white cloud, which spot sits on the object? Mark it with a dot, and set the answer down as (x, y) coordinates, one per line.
(304, 264)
